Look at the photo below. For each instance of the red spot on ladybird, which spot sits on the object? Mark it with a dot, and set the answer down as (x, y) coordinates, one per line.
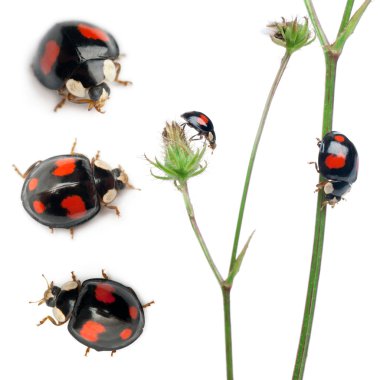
(204, 118)
(126, 334)
(33, 183)
(39, 207)
(74, 205)
(91, 330)
(49, 56)
(335, 162)
(93, 33)
(339, 138)
(133, 312)
(103, 293)
(65, 166)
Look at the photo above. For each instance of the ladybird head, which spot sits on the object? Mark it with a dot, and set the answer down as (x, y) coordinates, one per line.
(96, 95)
(121, 178)
(211, 139)
(109, 181)
(334, 192)
(99, 95)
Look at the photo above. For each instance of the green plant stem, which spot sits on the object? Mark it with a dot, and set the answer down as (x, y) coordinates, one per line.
(332, 54)
(259, 132)
(190, 211)
(346, 15)
(226, 290)
(319, 231)
(317, 25)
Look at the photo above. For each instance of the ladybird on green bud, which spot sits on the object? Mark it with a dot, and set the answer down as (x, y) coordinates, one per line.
(180, 160)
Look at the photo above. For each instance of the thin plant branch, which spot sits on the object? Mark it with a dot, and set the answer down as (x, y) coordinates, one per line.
(256, 143)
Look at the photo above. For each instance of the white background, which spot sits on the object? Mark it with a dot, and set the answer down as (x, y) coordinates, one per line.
(210, 56)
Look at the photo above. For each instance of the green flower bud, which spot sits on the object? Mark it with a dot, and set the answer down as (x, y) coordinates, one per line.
(292, 35)
(180, 160)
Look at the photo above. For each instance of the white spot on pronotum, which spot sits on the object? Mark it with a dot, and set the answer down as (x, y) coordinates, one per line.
(59, 316)
(102, 165)
(109, 70)
(76, 88)
(109, 196)
(69, 285)
(328, 188)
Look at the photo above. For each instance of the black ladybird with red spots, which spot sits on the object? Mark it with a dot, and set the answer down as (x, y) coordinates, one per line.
(67, 190)
(102, 314)
(338, 162)
(202, 124)
(78, 60)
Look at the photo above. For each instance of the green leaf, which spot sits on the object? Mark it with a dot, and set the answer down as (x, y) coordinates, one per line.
(237, 264)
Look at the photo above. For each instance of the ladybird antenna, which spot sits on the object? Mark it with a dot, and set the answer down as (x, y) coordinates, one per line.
(49, 286)
(40, 302)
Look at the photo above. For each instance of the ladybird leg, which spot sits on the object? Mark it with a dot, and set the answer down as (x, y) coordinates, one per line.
(117, 80)
(97, 105)
(104, 274)
(91, 104)
(111, 207)
(74, 277)
(113, 352)
(72, 151)
(60, 104)
(97, 156)
(315, 164)
(51, 319)
(148, 304)
(87, 351)
(64, 96)
(24, 175)
(51, 230)
(320, 186)
(196, 137)
(72, 232)
(325, 203)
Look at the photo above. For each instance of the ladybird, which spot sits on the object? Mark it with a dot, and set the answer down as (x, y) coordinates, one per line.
(78, 60)
(338, 162)
(202, 124)
(67, 190)
(102, 314)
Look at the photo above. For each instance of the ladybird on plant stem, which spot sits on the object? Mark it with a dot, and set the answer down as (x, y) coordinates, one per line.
(202, 124)
(338, 162)
(78, 59)
(102, 314)
(67, 190)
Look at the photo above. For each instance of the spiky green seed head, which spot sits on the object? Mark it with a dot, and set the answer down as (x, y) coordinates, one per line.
(292, 35)
(180, 160)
